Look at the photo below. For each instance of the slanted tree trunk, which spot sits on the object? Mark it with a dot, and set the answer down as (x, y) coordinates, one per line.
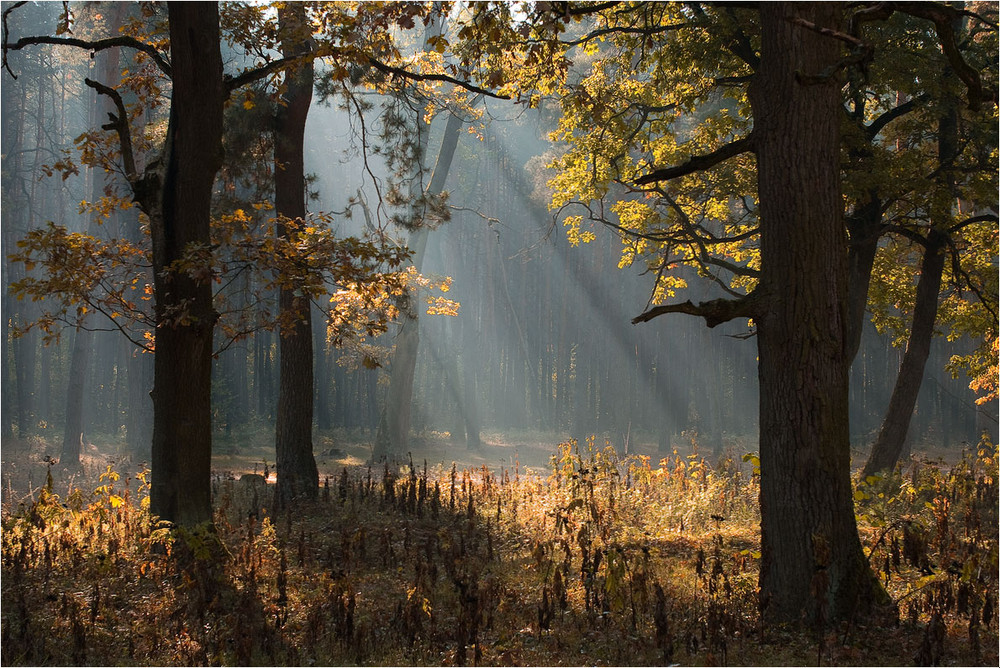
(892, 435)
(813, 568)
(182, 386)
(296, 465)
(393, 431)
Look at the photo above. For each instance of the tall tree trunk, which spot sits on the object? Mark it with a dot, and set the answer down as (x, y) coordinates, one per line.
(139, 421)
(394, 424)
(813, 568)
(892, 435)
(470, 403)
(296, 465)
(321, 371)
(72, 443)
(182, 386)
(864, 226)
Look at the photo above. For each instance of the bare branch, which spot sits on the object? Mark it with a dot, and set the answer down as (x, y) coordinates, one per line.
(961, 276)
(986, 217)
(95, 45)
(6, 13)
(699, 162)
(623, 30)
(829, 32)
(417, 76)
(715, 312)
(256, 74)
(120, 125)
(889, 116)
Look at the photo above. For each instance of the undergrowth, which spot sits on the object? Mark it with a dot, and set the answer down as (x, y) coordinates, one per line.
(608, 560)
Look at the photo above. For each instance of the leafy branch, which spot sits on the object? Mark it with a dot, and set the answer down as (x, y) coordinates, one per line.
(697, 163)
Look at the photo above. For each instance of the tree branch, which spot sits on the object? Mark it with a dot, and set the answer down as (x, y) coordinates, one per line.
(959, 273)
(699, 162)
(256, 74)
(829, 32)
(942, 16)
(6, 13)
(120, 125)
(986, 217)
(98, 45)
(715, 312)
(876, 126)
(416, 76)
(623, 30)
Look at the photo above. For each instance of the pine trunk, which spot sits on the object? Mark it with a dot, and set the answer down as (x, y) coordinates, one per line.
(296, 465)
(72, 444)
(393, 432)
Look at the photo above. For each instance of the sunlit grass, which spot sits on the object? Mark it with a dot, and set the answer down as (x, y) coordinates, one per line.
(604, 559)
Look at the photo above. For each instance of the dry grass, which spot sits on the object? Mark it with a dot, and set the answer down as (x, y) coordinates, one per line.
(600, 560)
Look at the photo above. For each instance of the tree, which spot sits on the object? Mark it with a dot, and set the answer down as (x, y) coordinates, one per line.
(394, 425)
(296, 465)
(175, 193)
(934, 213)
(182, 385)
(704, 209)
(795, 290)
(812, 560)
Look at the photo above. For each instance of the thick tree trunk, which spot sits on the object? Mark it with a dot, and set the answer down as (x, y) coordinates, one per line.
(182, 388)
(813, 568)
(296, 465)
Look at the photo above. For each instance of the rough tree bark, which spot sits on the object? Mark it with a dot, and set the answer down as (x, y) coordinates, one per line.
(182, 424)
(296, 465)
(813, 568)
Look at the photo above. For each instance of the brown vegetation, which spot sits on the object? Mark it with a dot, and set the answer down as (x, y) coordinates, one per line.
(606, 560)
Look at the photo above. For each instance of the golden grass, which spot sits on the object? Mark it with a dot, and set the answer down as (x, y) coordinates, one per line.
(604, 560)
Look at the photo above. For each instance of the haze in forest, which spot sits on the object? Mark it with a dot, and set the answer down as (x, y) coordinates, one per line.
(499, 333)
(541, 349)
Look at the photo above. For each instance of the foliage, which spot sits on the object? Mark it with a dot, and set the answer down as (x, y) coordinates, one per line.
(608, 560)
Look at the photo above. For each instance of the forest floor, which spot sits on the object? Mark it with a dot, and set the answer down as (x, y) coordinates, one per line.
(523, 553)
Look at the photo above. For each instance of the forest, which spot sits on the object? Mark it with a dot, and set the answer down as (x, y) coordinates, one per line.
(500, 333)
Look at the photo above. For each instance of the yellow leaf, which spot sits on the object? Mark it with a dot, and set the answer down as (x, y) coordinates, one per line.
(248, 104)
